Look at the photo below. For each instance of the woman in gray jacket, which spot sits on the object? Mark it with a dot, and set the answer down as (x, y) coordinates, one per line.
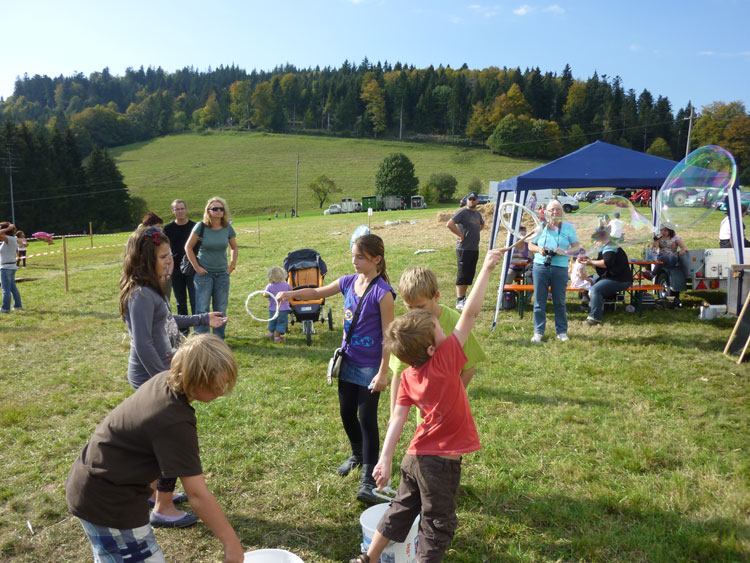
(154, 336)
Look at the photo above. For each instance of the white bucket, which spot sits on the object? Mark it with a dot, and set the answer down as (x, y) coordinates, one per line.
(405, 552)
(711, 312)
(271, 556)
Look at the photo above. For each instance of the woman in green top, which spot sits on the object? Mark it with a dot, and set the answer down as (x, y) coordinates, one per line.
(211, 268)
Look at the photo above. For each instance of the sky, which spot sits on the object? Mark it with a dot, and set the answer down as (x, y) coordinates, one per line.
(687, 51)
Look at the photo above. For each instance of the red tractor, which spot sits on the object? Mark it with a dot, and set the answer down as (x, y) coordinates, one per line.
(641, 197)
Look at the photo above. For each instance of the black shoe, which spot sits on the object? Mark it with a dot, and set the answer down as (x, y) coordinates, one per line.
(187, 520)
(353, 461)
(366, 493)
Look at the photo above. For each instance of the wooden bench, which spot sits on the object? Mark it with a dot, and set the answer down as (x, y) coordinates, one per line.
(636, 298)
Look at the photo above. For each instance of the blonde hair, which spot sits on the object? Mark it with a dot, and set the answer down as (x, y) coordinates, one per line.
(224, 220)
(276, 274)
(416, 282)
(203, 362)
(409, 336)
(139, 266)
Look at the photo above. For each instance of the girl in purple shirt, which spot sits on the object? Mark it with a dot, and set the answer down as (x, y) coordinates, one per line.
(364, 369)
(277, 327)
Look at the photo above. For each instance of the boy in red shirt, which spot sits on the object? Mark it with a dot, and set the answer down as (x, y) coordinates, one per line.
(431, 468)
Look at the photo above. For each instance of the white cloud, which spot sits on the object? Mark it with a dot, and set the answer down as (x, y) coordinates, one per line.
(731, 54)
(554, 9)
(634, 47)
(523, 10)
(485, 11)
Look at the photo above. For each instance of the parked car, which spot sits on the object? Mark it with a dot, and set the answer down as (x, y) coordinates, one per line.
(333, 209)
(481, 199)
(696, 200)
(744, 200)
(592, 195)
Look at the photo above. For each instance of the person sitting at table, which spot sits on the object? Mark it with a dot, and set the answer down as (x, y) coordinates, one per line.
(613, 273)
(669, 247)
(520, 264)
(725, 231)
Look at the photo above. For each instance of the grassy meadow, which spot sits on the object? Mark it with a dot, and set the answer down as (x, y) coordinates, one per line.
(628, 443)
(256, 172)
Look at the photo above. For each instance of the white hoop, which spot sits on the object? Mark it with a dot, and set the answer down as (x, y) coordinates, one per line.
(506, 215)
(253, 294)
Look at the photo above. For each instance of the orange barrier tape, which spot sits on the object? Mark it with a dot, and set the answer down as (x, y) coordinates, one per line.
(71, 250)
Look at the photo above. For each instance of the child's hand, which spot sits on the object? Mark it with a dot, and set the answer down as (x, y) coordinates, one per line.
(378, 383)
(216, 320)
(282, 296)
(381, 474)
(494, 257)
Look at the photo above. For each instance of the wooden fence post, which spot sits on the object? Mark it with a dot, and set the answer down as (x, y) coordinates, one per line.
(65, 263)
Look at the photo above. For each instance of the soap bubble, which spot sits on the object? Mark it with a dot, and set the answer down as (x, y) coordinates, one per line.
(511, 214)
(618, 217)
(695, 187)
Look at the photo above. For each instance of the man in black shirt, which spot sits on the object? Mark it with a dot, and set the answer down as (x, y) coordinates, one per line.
(178, 232)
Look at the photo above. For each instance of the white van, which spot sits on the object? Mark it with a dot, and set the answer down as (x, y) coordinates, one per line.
(543, 197)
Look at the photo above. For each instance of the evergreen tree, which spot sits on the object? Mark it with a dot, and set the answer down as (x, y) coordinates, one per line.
(395, 176)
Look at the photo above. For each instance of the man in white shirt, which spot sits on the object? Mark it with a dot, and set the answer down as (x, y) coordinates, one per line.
(725, 231)
(615, 227)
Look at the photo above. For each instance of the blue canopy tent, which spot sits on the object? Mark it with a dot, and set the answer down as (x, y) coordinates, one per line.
(598, 165)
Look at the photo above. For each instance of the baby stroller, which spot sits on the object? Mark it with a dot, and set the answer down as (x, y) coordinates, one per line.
(305, 268)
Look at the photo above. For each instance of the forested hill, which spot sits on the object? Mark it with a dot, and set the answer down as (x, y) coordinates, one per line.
(518, 113)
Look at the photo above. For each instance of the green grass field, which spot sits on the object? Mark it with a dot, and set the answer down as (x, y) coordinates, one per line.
(628, 443)
(256, 172)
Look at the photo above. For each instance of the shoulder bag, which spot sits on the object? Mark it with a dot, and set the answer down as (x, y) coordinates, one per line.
(334, 364)
(185, 266)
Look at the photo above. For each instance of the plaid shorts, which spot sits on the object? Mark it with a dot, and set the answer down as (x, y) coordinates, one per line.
(112, 545)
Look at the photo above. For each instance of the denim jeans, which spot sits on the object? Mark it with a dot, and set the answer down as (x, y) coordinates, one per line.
(182, 286)
(211, 288)
(597, 293)
(545, 277)
(279, 324)
(8, 279)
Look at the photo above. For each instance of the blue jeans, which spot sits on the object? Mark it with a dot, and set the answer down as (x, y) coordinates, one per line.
(211, 287)
(545, 277)
(279, 323)
(184, 289)
(8, 279)
(597, 293)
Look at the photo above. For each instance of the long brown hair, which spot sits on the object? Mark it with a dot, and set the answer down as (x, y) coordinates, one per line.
(373, 246)
(139, 267)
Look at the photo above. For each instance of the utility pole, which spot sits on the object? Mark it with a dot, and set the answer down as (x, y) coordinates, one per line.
(296, 197)
(10, 181)
(690, 130)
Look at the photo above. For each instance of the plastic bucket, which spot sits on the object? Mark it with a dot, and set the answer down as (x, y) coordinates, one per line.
(271, 556)
(405, 552)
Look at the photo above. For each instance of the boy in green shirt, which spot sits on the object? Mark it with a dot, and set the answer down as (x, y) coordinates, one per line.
(418, 288)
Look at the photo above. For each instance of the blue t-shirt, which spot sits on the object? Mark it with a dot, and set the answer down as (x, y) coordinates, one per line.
(564, 238)
(366, 346)
(212, 254)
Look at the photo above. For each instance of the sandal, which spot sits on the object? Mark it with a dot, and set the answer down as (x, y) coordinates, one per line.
(361, 558)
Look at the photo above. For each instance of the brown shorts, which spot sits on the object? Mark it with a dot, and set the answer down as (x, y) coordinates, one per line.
(429, 487)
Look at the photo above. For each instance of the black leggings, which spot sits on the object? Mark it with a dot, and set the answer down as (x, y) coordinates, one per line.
(355, 398)
(166, 484)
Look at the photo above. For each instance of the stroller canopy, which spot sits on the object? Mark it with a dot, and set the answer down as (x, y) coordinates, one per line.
(305, 258)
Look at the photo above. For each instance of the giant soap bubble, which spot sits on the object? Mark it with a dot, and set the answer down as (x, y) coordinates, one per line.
(695, 187)
(619, 218)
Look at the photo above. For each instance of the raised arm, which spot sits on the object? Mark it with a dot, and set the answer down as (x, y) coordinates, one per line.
(474, 303)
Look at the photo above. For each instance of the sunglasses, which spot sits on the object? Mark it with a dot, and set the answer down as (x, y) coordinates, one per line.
(472, 199)
(216, 209)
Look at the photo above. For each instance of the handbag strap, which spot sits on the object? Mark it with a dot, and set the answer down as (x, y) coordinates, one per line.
(355, 317)
(197, 245)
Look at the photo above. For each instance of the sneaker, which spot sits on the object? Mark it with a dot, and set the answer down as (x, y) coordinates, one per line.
(183, 522)
(353, 461)
(591, 321)
(269, 334)
(562, 337)
(537, 338)
(278, 339)
(460, 302)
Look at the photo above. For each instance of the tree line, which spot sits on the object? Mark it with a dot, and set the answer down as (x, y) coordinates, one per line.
(59, 193)
(517, 113)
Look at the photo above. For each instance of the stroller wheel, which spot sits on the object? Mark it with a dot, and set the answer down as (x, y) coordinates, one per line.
(309, 339)
(330, 319)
